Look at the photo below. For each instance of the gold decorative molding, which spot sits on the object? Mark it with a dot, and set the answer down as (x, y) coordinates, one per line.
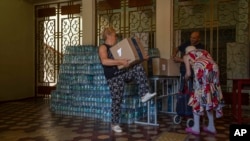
(46, 12)
(71, 9)
(139, 3)
(109, 5)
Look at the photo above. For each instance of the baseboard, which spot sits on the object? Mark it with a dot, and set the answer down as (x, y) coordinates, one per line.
(15, 100)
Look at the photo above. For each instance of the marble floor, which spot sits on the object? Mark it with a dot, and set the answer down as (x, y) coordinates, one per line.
(32, 120)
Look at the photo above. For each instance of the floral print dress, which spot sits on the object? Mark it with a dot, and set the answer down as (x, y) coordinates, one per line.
(207, 93)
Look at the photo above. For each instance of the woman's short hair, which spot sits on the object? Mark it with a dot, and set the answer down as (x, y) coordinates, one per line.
(107, 31)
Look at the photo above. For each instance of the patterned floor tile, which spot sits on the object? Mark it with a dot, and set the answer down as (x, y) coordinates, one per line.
(31, 120)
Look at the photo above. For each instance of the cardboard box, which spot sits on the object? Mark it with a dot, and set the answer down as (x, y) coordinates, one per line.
(129, 48)
(163, 67)
(157, 66)
(173, 68)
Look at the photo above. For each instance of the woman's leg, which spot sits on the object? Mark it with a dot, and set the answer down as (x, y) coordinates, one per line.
(116, 86)
(196, 126)
(210, 127)
(138, 74)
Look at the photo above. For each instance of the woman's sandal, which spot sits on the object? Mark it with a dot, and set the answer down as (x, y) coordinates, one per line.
(190, 130)
(208, 131)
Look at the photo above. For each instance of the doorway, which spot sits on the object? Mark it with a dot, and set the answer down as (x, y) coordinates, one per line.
(57, 25)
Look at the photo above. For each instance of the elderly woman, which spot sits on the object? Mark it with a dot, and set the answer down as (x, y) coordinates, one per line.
(206, 95)
(116, 78)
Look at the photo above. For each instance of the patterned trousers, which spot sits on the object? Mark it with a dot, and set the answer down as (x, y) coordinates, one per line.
(116, 86)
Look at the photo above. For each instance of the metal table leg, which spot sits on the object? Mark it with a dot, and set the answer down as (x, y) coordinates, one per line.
(148, 122)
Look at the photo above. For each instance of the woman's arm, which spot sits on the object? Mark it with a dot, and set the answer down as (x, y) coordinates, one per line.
(110, 62)
(186, 60)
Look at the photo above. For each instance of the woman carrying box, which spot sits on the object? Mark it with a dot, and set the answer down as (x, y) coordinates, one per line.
(116, 78)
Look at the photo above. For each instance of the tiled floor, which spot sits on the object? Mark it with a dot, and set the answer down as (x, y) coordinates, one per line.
(31, 120)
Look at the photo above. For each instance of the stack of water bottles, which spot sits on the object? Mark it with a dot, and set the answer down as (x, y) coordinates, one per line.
(82, 89)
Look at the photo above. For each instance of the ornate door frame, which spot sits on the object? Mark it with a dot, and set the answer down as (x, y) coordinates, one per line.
(129, 18)
(57, 25)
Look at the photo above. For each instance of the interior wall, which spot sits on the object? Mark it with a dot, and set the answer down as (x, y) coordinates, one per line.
(17, 50)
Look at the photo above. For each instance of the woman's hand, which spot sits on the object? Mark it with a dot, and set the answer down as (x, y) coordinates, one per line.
(177, 59)
(186, 77)
(146, 57)
(124, 62)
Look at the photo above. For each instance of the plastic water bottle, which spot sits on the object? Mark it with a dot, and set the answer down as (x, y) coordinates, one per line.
(152, 111)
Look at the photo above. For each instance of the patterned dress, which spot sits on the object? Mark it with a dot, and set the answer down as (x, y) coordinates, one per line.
(207, 93)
